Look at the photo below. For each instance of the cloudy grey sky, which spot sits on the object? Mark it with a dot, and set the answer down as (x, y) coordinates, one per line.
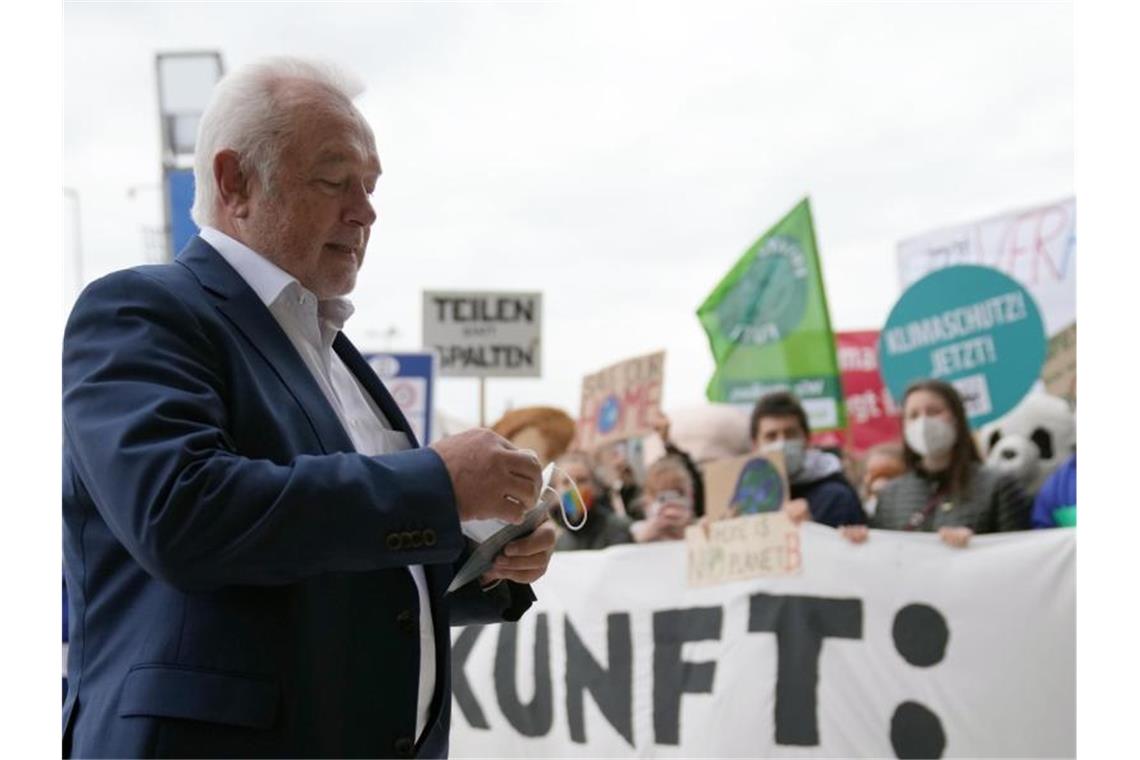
(618, 156)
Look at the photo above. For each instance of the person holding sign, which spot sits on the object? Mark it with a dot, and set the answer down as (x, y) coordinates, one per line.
(946, 488)
(819, 491)
(669, 502)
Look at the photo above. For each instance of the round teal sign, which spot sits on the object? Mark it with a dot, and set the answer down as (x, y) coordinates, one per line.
(973, 327)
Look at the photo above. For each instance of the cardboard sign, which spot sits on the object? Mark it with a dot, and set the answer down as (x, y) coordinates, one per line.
(483, 334)
(747, 485)
(617, 401)
(872, 417)
(753, 546)
(1060, 371)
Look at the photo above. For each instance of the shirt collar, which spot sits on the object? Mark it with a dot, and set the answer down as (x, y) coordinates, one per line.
(268, 280)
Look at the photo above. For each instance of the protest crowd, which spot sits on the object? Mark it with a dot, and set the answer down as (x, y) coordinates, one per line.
(932, 480)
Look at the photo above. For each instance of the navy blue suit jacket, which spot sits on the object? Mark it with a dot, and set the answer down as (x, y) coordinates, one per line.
(237, 573)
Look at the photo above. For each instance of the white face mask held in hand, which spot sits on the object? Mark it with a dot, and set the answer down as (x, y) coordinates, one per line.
(930, 436)
(793, 451)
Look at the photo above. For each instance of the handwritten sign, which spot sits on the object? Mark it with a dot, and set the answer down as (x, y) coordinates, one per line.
(753, 546)
(1060, 371)
(1035, 246)
(747, 485)
(617, 401)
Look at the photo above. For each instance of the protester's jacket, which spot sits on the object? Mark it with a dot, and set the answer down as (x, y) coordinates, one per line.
(991, 502)
(603, 528)
(1056, 502)
(831, 499)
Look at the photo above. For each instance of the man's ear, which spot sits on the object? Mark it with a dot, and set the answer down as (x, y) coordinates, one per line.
(233, 184)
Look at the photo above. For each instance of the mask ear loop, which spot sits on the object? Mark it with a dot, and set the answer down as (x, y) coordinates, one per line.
(575, 495)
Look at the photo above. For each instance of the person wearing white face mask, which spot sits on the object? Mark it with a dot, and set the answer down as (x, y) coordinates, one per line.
(819, 490)
(946, 488)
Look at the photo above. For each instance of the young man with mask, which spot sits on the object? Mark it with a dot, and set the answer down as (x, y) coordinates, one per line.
(819, 490)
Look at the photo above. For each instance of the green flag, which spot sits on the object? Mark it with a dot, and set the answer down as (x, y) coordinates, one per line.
(768, 325)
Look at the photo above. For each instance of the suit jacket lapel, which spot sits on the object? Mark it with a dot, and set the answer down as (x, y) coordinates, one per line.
(249, 315)
(359, 367)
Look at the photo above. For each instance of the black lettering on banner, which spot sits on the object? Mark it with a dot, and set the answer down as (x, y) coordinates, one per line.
(674, 677)
(801, 623)
(916, 732)
(612, 688)
(460, 686)
(921, 634)
(536, 717)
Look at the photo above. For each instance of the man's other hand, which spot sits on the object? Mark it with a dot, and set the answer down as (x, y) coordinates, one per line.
(491, 478)
(525, 559)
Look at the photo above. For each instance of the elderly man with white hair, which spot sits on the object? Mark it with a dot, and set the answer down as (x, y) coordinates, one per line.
(256, 548)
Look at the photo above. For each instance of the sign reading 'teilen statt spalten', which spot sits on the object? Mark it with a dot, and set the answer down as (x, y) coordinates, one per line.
(484, 334)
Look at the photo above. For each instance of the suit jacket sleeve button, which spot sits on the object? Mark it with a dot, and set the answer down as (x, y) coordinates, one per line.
(404, 747)
(394, 541)
(406, 540)
(417, 539)
(429, 537)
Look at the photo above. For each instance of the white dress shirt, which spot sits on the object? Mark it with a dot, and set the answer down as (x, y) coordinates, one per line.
(312, 325)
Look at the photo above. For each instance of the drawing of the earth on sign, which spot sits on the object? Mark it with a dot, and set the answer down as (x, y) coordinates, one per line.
(758, 489)
(769, 300)
(609, 414)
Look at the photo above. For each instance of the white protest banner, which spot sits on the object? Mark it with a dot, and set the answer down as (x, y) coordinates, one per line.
(1036, 246)
(617, 400)
(900, 647)
(484, 334)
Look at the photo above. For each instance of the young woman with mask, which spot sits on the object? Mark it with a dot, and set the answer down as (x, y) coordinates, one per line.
(946, 488)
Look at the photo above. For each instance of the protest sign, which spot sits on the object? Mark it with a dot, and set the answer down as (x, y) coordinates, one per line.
(752, 546)
(747, 485)
(484, 334)
(872, 417)
(1035, 246)
(410, 377)
(899, 647)
(618, 401)
(769, 328)
(971, 326)
(1060, 371)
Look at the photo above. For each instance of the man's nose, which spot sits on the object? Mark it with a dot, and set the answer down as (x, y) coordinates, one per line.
(359, 210)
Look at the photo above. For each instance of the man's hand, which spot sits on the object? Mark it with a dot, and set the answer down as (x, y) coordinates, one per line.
(856, 534)
(491, 478)
(957, 537)
(525, 559)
